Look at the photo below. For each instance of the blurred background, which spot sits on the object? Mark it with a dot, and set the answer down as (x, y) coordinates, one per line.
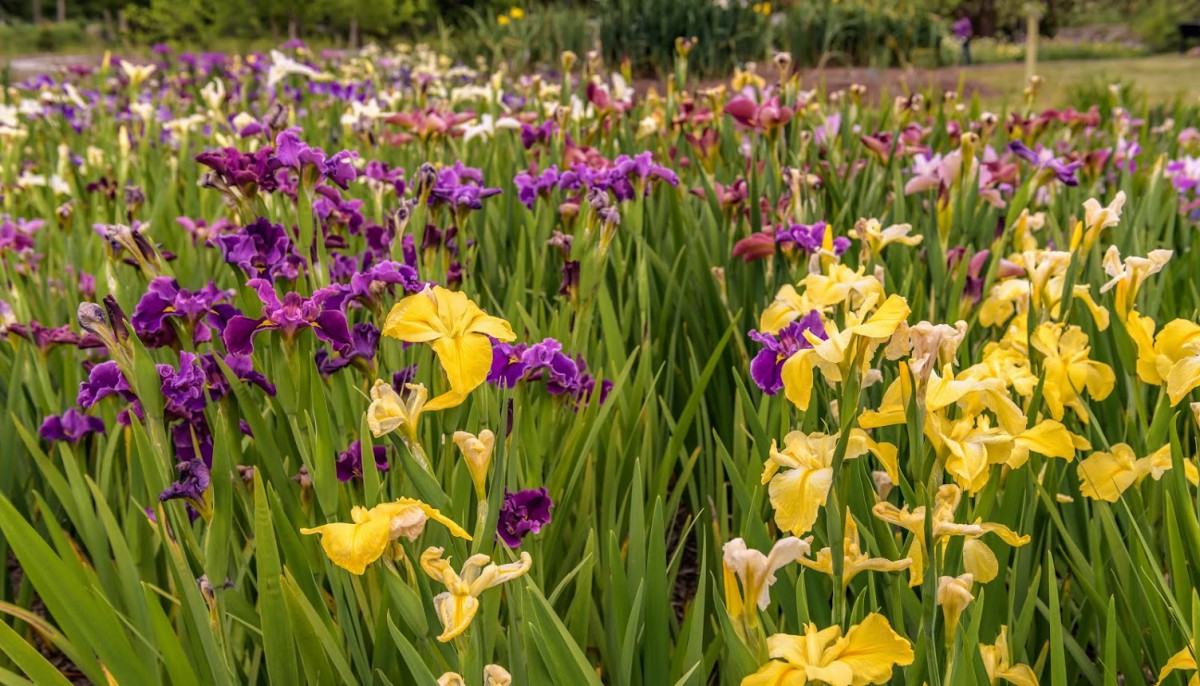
(1150, 46)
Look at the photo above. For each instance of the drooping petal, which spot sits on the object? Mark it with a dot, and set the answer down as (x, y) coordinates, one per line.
(353, 546)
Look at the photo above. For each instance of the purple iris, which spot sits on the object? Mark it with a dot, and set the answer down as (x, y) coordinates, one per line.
(243, 369)
(247, 171)
(18, 236)
(767, 366)
(46, 338)
(370, 285)
(183, 388)
(531, 186)
(508, 364)
(523, 513)
(188, 436)
(70, 426)
(293, 313)
(103, 380)
(543, 133)
(1047, 164)
(349, 461)
(262, 250)
(164, 298)
(295, 153)
(460, 187)
(809, 238)
(364, 341)
(191, 483)
(512, 363)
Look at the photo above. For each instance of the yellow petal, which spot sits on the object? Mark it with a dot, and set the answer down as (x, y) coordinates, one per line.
(872, 650)
(456, 612)
(1183, 378)
(353, 546)
(797, 375)
(466, 360)
(1021, 675)
(1105, 476)
(979, 560)
(797, 495)
(1184, 660)
(775, 673)
(1048, 438)
(884, 321)
(415, 319)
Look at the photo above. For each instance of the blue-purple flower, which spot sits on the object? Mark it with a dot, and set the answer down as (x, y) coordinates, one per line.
(767, 366)
(1049, 167)
(262, 250)
(523, 513)
(349, 461)
(190, 485)
(294, 313)
(103, 380)
(809, 238)
(364, 341)
(70, 426)
(164, 298)
(460, 187)
(296, 154)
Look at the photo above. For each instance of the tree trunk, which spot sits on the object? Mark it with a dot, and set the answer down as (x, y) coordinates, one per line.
(37, 11)
(61, 14)
(353, 32)
(109, 33)
(293, 27)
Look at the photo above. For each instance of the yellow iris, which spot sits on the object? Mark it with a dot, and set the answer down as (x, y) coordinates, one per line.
(836, 285)
(855, 561)
(1183, 660)
(1129, 275)
(953, 595)
(1105, 476)
(867, 654)
(756, 572)
(458, 332)
(852, 347)
(1068, 370)
(978, 559)
(1171, 358)
(799, 491)
(354, 546)
(874, 238)
(389, 412)
(477, 451)
(458, 605)
(997, 660)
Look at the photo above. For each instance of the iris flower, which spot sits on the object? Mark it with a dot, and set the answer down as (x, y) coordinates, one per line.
(799, 491)
(978, 559)
(354, 546)
(953, 595)
(841, 350)
(854, 560)
(477, 452)
(997, 660)
(866, 654)
(458, 605)
(457, 330)
(1128, 276)
(1105, 476)
(1068, 370)
(1184, 660)
(756, 572)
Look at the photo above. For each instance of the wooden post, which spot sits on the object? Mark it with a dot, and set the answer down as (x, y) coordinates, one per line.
(1033, 12)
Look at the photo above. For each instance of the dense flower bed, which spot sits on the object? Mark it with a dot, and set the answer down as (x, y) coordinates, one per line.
(374, 368)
